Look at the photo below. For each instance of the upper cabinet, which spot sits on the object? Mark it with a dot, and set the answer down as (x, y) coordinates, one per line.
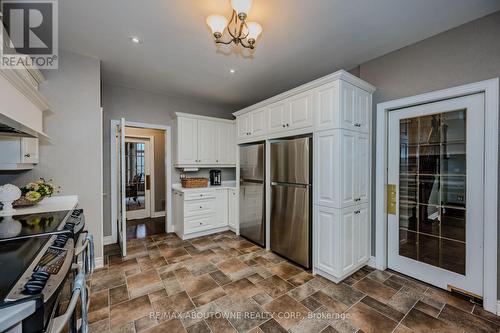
(204, 141)
(337, 101)
(18, 153)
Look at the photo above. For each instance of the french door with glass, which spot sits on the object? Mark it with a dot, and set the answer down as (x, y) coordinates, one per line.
(435, 193)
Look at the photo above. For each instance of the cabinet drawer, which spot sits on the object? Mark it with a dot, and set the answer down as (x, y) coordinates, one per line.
(194, 224)
(199, 195)
(199, 207)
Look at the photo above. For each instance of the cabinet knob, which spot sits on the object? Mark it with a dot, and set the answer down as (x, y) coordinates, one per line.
(217, 161)
(287, 125)
(284, 125)
(201, 207)
(27, 155)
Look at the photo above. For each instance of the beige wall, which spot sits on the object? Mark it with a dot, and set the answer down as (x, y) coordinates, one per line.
(159, 162)
(72, 157)
(466, 54)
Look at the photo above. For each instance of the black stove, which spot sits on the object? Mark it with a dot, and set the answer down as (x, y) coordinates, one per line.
(36, 254)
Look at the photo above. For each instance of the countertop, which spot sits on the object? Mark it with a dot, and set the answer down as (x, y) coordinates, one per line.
(231, 185)
(49, 204)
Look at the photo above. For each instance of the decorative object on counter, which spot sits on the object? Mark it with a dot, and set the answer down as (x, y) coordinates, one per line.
(8, 194)
(34, 192)
(194, 182)
(9, 227)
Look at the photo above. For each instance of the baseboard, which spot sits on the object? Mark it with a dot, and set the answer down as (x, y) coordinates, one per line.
(498, 308)
(107, 240)
(371, 262)
(99, 262)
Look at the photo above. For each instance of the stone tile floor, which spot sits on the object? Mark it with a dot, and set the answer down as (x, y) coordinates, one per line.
(223, 283)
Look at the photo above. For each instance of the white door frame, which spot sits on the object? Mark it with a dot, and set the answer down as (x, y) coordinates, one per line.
(491, 90)
(151, 142)
(168, 173)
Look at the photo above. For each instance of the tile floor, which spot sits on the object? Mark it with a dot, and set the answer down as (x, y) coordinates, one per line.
(223, 283)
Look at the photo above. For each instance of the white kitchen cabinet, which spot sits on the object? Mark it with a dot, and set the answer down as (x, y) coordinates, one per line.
(18, 153)
(204, 141)
(232, 209)
(243, 125)
(225, 153)
(207, 141)
(326, 105)
(363, 110)
(341, 240)
(300, 109)
(277, 117)
(202, 212)
(342, 168)
(187, 141)
(258, 122)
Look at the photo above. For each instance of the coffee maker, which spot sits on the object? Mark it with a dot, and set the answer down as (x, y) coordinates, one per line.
(215, 177)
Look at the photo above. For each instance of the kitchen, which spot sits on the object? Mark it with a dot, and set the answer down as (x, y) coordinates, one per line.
(340, 191)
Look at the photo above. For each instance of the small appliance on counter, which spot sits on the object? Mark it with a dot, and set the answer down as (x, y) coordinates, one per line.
(215, 177)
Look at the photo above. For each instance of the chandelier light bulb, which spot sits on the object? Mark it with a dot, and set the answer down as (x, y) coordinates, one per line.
(241, 6)
(218, 24)
(254, 30)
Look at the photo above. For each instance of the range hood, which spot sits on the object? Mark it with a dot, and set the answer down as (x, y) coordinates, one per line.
(11, 128)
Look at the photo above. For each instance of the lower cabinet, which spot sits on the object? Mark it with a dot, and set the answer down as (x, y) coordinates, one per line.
(199, 213)
(232, 210)
(341, 240)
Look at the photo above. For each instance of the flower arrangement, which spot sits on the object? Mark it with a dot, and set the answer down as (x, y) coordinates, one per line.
(35, 191)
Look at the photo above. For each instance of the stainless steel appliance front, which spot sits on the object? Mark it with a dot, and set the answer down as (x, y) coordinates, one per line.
(252, 193)
(291, 199)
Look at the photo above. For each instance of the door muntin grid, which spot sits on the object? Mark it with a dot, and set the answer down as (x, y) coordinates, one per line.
(432, 189)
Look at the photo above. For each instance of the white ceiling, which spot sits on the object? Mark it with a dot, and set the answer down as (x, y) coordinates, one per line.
(302, 40)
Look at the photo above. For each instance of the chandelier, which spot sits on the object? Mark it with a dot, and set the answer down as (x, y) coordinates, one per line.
(240, 31)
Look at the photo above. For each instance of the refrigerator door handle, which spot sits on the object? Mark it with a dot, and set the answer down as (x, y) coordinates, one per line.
(290, 185)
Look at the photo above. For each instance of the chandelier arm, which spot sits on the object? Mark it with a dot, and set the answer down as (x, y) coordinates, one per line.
(248, 31)
(233, 16)
(247, 46)
(218, 41)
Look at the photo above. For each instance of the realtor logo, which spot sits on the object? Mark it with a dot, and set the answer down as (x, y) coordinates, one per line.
(30, 35)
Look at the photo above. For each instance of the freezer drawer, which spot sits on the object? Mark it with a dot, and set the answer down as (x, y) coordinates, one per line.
(252, 214)
(291, 161)
(290, 222)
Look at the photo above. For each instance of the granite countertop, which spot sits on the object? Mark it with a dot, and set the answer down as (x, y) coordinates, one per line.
(225, 185)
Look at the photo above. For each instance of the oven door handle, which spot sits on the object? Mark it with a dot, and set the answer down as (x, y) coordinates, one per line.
(87, 248)
(80, 291)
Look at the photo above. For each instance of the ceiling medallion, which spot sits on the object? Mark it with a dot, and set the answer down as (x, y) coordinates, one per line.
(240, 31)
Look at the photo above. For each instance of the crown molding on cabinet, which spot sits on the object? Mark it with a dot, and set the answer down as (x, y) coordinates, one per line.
(339, 75)
(195, 116)
(18, 78)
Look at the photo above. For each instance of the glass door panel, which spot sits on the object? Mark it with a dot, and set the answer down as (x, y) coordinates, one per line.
(432, 187)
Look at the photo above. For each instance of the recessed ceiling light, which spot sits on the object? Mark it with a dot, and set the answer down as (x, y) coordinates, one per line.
(232, 71)
(135, 40)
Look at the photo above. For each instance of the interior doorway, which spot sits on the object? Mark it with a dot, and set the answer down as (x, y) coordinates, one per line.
(140, 179)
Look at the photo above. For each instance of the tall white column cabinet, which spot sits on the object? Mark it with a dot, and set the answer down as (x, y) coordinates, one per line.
(336, 109)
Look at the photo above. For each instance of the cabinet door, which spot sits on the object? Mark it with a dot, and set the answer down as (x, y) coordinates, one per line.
(226, 145)
(207, 142)
(363, 110)
(258, 122)
(362, 164)
(29, 150)
(347, 240)
(243, 126)
(362, 243)
(326, 168)
(276, 117)
(187, 145)
(232, 209)
(221, 207)
(348, 169)
(348, 106)
(325, 244)
(326, 102)
(300, 111)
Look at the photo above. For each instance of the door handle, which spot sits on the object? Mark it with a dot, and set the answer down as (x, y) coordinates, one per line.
(148, 182)
(391, 199)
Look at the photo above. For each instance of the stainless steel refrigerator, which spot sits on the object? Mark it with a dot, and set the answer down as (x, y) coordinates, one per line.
(252, 193)
(291, 199)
